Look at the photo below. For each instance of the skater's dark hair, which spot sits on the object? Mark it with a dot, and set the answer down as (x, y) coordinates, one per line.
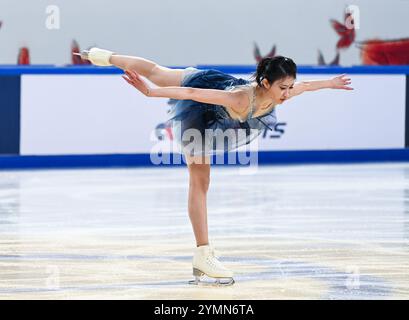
(274, 69)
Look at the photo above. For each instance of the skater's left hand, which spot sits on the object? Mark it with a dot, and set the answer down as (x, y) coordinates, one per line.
(136, 81)
(340, 82)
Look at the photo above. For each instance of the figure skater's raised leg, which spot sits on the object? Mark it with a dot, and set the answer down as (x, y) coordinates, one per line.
(205, 262)
(159, 75)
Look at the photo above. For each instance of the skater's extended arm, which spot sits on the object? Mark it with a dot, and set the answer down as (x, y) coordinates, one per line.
(238, 101)
(339, 82)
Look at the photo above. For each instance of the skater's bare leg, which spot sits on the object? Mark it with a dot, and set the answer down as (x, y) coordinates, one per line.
(204, 260)
(159, 75)
(199, 180)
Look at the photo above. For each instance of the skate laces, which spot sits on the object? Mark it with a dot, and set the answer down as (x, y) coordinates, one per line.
(214, 253)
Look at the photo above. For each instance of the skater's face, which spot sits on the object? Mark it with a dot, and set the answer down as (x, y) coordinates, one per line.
(280, 90)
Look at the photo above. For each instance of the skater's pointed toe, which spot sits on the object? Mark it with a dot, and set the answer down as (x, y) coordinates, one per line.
(98, 57)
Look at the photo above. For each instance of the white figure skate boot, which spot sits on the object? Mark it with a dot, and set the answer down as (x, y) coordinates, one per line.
(205, 263)
(98, 57)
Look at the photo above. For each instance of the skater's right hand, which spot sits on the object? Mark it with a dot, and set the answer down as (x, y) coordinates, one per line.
(136, 81)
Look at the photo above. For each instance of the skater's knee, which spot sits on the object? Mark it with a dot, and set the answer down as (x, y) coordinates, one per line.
(199, 181)
(199, 173)
(166, 77)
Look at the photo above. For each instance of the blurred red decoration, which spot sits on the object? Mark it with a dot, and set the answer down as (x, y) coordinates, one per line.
(347, 35)
(23, 56)
(76, 60)
(385, 52)
(373, 51)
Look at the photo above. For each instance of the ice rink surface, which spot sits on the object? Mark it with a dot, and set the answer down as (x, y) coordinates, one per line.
(288, 232)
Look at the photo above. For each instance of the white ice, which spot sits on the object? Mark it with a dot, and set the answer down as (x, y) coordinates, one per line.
(288, 232)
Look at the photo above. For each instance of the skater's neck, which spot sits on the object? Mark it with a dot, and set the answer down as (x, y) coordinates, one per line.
(263, 99)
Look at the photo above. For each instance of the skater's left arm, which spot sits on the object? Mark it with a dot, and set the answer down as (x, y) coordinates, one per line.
(338, 82)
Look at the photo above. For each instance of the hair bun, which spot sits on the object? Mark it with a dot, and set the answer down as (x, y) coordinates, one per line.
(275, 68)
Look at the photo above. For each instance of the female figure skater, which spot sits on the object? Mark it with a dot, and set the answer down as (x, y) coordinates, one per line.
(210, 99)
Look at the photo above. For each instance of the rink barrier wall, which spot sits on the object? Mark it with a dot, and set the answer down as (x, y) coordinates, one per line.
(407, 113)
(10, 114)
(11, 158)
(264, 158)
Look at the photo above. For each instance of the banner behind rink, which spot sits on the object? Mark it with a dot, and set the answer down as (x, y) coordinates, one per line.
(102, 114)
